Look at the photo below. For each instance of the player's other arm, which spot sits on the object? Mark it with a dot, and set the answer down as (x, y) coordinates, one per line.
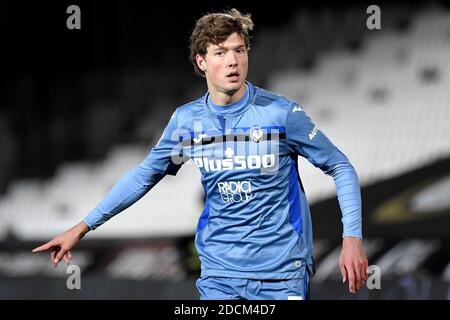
(308, 141)
(353, 261)
(164, 158)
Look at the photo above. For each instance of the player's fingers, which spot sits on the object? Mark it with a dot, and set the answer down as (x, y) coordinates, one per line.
(59, 256)
(66, 257)
(351, 278)
(343, 271)
(44, 247)
(363, 269)
(53, 255)
(358, 279)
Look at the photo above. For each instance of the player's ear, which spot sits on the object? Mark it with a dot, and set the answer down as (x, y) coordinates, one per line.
(201, 63)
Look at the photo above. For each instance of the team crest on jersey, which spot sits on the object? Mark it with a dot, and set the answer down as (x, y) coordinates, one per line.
(256, 134)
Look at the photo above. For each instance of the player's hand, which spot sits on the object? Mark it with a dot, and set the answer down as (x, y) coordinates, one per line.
(353, 263)
(61, 245)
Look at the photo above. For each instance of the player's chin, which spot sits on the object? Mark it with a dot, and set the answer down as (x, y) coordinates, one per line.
(234, 85)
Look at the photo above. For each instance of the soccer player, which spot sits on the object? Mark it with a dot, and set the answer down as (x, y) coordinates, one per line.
(254, 236)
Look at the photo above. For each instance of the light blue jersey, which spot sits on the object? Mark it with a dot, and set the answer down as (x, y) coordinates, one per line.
(256, 223)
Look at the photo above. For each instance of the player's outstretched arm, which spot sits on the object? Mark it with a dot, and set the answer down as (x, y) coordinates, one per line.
(61, 245)
(353, 263)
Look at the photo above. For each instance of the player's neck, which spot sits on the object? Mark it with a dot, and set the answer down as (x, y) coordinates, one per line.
(225, 98)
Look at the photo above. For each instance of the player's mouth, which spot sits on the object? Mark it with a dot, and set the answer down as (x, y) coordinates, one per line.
(233, 76)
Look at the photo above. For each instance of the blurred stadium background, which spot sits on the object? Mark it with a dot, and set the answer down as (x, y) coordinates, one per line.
(78, 108)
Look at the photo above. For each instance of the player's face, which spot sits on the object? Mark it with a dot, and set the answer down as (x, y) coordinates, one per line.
(225, 65)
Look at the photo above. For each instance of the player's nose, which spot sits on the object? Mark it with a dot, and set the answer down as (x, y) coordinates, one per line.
(232, 60)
